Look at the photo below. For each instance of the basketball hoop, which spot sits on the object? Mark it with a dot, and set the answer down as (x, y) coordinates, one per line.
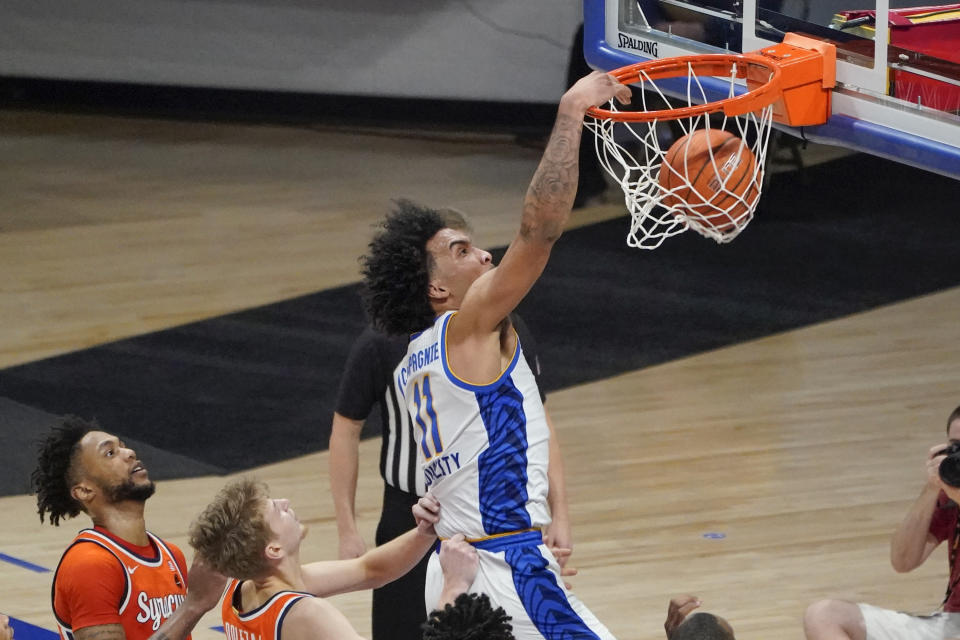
(710, 178)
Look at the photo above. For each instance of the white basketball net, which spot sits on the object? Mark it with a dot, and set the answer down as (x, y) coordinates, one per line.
(657, 212)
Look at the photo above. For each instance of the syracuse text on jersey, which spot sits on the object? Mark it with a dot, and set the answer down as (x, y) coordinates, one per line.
(157, 609)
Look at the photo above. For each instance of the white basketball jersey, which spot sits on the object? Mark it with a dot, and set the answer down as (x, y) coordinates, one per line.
(484, 448)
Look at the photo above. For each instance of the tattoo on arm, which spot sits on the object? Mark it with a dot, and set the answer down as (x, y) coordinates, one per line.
(101, 632)
(554, 185)
(112, 632)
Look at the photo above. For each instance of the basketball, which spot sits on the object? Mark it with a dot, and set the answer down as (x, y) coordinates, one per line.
(720, 168)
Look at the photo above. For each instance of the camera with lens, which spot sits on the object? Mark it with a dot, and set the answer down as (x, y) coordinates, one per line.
(950, 466)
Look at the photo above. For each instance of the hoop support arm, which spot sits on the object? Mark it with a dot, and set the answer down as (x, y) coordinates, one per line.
(808, 76)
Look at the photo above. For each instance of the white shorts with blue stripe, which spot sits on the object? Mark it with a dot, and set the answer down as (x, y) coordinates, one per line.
(520, 574)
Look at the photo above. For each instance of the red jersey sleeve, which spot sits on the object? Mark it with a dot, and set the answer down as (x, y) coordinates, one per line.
(89, 587)
(944, 518)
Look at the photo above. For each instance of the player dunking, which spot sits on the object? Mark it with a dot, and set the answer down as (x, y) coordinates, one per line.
(482, 433)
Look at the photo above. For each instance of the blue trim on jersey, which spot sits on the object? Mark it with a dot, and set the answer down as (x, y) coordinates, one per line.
(525, 539)
(124, 546)
(463, 384)
(127, 586)
(283, 614)
(502, 467)
(420, 423)
(434, 424)
(247, 616)
(543, 599)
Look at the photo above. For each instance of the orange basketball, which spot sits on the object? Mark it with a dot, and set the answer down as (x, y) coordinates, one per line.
(714, 184)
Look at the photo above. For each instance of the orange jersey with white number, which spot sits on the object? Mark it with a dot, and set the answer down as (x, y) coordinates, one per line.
(262, 623)
(102, 580)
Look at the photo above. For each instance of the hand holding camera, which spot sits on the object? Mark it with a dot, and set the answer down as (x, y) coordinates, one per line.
(946, 461)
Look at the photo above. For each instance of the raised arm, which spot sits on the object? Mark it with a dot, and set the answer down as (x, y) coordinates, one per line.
(912, 542)
(380, 565)
(344, 462)
(545, 211)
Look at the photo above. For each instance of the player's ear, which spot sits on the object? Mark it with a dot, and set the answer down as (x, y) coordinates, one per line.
(436, 291)
(273, 550)
(83, 492)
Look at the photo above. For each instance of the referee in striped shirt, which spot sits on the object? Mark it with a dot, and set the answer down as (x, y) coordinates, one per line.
(369, 380)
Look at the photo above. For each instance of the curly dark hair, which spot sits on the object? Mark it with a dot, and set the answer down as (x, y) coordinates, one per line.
(396, 270)
(470, 617)
(56, 472)
(702, 626)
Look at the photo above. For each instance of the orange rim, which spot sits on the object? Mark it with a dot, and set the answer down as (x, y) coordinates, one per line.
(719, 65)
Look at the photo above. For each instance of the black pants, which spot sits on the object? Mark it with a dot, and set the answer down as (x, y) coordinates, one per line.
(398, 607)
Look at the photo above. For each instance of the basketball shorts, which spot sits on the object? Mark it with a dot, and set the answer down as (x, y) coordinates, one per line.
(885, 624)
(520, 574)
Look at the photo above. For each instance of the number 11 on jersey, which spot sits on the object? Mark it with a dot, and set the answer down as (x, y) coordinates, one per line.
(425, 409)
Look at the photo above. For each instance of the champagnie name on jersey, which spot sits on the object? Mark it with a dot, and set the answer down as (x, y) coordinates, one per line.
(416, 361)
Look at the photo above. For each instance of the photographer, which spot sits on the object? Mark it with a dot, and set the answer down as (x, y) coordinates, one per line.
(931, 520)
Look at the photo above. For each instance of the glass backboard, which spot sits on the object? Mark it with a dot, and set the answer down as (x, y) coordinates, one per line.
(898, 87)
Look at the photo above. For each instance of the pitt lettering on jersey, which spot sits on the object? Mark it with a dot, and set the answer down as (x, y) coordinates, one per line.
(157, 609)
(643, 46)
(441, 468)
(233, 633)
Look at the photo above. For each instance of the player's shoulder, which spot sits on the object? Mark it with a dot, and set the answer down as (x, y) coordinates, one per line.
(86, 552)
(86, 560)
(315, 618)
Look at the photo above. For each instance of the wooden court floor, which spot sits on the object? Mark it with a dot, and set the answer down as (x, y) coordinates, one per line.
(759, 477)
